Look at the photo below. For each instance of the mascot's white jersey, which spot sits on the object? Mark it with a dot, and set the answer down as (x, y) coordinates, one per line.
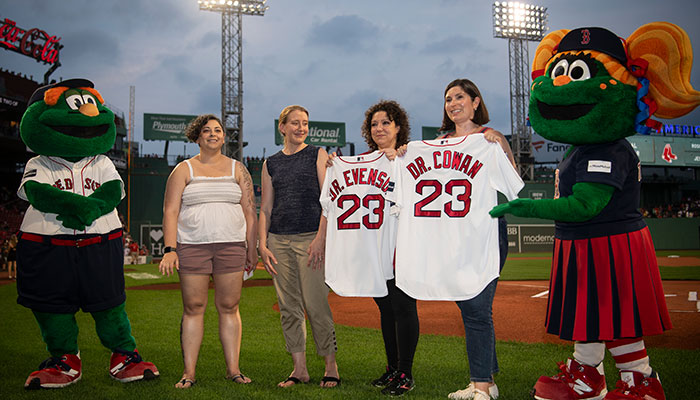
(82, 178)
(447, 245)
(361, 233)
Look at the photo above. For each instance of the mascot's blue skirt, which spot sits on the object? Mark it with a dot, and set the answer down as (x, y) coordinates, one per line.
(606, 288)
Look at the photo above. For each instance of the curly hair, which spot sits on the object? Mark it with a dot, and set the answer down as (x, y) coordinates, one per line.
(195, 127)
(396, 114)
(481, 115)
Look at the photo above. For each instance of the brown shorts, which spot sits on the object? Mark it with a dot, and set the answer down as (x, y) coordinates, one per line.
(211, 258)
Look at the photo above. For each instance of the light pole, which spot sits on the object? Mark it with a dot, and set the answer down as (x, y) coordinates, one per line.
(231, 65)
(520, 23)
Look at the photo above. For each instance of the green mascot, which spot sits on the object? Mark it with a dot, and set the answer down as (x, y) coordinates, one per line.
(70, 253)
(593, 89)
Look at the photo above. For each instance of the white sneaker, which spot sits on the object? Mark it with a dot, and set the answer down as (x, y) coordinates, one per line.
(470, 392)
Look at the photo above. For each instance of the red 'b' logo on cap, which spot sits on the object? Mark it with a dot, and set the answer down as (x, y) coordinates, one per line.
(585, 36)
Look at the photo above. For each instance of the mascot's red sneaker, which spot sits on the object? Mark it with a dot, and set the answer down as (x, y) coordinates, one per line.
(127, 366)
(634, 386)
(574, 382)
(55, 372)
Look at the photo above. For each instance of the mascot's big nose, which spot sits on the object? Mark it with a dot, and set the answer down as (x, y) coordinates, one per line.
(560, 80)
(89, 110)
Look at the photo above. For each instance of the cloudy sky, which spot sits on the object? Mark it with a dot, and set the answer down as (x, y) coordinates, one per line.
(335, 57)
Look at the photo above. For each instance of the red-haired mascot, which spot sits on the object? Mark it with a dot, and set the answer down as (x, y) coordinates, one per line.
(593, 89)
(70, 253)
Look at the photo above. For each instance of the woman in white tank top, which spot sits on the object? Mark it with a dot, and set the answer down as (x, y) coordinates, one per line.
(209, 226)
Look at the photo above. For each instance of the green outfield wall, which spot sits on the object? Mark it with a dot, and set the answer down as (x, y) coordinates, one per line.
(533, 234)
(149, 176)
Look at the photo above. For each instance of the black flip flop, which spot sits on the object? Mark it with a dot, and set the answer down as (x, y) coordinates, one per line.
(185, 381)
(296, 381)
(326, 379)
(239, 376)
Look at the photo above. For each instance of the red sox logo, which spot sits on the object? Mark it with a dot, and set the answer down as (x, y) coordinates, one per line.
(67, 184)
(585, 36)
(668, 155)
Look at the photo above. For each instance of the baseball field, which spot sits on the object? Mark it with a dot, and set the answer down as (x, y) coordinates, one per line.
(525, 351)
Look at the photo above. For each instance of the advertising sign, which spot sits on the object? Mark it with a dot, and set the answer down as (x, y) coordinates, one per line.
(10, 103)
(530, 238)
(321, 133)
(678, 130)
(547, 151)
(513, 238)
(34, 42)
(166, 126)
(152, 237)
(644, 147)
(664, 151)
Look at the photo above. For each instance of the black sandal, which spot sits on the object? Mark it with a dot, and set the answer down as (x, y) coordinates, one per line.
(327, 379)
(294, 379)
(239, 376)
(186, 381)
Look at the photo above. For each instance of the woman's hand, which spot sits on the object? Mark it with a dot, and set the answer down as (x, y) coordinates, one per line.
(316, 251)
(390, 153)
(251, 259)
(494, 136)
(329, 162)
(169, 263)
(268, 258)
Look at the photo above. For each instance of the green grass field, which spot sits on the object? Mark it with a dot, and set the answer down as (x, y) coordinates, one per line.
(440, 363)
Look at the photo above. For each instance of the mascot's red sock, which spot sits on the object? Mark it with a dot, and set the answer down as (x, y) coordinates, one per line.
(637, 379)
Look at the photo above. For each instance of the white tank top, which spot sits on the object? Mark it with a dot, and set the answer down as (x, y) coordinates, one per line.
(211, 210)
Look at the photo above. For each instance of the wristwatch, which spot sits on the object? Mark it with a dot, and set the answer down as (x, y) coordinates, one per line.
(168, 249)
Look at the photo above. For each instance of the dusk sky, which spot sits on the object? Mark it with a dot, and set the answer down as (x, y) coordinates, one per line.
(334, 57)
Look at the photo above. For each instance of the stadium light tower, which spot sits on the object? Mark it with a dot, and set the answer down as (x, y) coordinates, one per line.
(231, 65)
(520, 23)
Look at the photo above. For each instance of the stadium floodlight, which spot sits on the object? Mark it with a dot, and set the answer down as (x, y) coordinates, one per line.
(248, 7)
(519, 23)
(231, 65)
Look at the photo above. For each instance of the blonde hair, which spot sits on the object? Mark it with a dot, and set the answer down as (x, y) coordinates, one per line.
(284, 115)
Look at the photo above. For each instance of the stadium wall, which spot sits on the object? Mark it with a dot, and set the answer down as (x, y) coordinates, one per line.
(149, 176)
(667, 233)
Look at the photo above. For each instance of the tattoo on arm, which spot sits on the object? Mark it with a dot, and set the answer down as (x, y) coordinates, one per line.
(248, 184)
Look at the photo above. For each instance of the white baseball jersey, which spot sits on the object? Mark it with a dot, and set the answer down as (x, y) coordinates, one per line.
(82, 177)
(361, 233)
(447, 244)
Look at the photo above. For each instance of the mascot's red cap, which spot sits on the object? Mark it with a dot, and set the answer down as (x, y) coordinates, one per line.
(38, 94)
(598, 39)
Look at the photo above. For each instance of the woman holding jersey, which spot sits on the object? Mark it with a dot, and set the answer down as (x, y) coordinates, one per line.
(465, 113)
(386, 129)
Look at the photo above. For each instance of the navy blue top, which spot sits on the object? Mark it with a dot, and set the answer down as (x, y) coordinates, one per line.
(296, 208)
(615, 164)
